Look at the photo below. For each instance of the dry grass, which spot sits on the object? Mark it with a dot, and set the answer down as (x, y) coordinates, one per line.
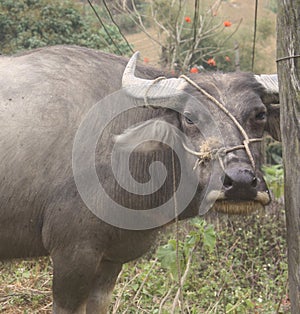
(25, 286)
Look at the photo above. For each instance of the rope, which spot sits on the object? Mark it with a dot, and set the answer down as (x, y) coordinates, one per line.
(254, 34)
(177, 234)
(287, 58)
(214, 154)
(149, 87)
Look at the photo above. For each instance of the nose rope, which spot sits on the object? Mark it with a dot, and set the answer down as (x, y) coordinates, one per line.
(217, 153)
(246, 140)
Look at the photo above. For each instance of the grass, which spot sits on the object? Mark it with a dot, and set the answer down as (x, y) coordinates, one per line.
(25, 286)
(245, 271)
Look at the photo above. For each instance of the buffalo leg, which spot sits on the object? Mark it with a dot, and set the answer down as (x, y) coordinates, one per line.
(74, 271)
(100, 295)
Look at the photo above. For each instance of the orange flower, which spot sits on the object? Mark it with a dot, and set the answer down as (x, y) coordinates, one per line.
(211, 62)
(227, 59)
(188, 19)
(146, 60)
(227, 23)
(194, 70)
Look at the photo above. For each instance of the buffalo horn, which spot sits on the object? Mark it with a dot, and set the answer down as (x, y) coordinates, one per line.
(163, 90)
(270, 83)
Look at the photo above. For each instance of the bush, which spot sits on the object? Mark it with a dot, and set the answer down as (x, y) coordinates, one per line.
(27, 24)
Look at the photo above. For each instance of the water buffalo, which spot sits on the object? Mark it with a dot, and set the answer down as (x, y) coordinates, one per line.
(47, 100)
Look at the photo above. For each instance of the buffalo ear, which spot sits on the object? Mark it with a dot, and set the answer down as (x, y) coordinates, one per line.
(147, 136)
(271, 89)
(270, 97)
(273, 122)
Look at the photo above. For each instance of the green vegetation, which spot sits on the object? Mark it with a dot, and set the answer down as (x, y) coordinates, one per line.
(274, 177)
(273, 5)
(27, 24)
(25, 286)
(273, 168)
(245, 272)
(202, 34)
(187, 38)
(123, 14)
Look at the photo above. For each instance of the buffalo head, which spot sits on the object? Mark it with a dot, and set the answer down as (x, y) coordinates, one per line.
(221, 119)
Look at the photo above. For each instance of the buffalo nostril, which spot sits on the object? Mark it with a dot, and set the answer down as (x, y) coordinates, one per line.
(228, 182)
(254, 182)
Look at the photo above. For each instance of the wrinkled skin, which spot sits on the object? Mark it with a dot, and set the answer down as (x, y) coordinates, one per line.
(44, 96)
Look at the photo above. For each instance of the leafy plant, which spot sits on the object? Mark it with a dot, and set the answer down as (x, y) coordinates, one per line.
(169, 254)
(274, 176)
(27, 24)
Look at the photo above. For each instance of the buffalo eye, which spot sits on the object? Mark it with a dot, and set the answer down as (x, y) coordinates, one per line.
(261, 116)
(188, 117)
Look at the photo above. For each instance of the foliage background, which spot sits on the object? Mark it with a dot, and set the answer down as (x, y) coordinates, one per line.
(28, 24)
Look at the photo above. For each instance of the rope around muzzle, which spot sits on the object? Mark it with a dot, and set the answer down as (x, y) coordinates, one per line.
(213, 154)
(218, 153)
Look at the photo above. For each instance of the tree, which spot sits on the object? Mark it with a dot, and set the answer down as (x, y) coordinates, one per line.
(27, 24)
(187, 34)
(288, 51)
